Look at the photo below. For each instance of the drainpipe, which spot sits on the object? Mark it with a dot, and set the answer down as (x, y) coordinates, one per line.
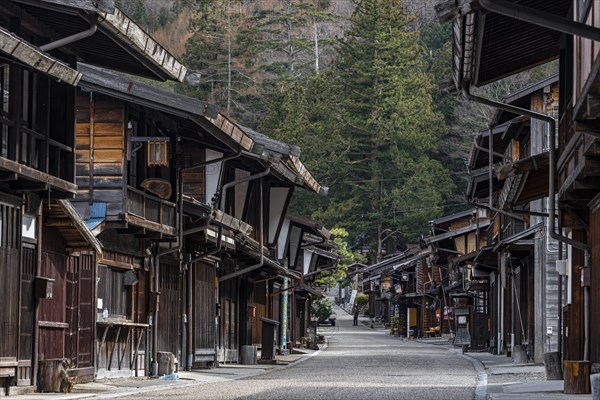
(73, 38)
(181, 172)
(246, 179)
(154, 371)
(177, 249)
(260, 233)
(569, 27)
(490, 170)
(551, 189)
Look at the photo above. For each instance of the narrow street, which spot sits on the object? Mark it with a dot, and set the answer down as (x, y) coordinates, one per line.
(359, 363)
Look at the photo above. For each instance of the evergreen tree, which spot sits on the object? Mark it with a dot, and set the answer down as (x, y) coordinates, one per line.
(392, 185)
(219, 50)
(290, 39)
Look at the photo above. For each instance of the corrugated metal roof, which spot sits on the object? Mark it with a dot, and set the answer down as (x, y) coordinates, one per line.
(97, 215)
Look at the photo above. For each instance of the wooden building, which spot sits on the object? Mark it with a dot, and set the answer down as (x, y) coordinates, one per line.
(454, 243)
(51, 295)
(256, 189)
(399, 286)
(494, 39)
(304, 246)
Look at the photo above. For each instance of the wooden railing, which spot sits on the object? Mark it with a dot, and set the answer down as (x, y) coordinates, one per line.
(151, 208)
(36, 150)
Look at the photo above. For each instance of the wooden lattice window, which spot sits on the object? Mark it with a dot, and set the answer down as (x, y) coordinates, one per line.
(157, 154)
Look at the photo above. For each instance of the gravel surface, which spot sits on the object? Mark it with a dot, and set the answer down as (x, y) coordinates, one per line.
(359, 363)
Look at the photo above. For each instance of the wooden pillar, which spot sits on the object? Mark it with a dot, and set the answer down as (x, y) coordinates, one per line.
(574, 334)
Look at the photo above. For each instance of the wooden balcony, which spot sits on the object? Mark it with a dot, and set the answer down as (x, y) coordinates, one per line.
(150, 212)
(578, 170)
(30, 156)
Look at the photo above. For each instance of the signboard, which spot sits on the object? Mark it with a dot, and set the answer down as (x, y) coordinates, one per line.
(352, 298)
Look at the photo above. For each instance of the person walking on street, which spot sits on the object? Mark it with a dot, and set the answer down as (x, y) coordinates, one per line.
(355, 313)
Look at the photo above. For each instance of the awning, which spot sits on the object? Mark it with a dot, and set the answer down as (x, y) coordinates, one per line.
(478, 187)
(33, 57)
(323, 253)
(464, 258)
(488, 46)
(458, 232)
(487, 258)
(316, 293)
(533, 176)
(119, 43)
(501, 136)
(76, 234)
(523, 235)
(410, 261)
(311, 225)
(107, 6)
(392, 260)
(371, 278)
(123, 87)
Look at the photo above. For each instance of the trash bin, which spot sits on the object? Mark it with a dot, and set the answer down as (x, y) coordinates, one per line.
(269, 338)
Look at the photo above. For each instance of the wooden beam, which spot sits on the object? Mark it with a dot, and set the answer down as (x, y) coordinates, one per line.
(8, 176)
(154, 226)
(82, 229)
(112, 263)
(37, 176)
(58, 222)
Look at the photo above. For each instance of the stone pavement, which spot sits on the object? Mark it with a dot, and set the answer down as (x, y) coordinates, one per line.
(503, 379)
(121, 387)
(499, 378)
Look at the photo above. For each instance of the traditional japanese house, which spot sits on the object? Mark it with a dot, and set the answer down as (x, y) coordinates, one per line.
(156, 288)
(305, 247)
(534, 32)
(47, 240)
(256, 188)
(454, 242)
(529, 252)
(397, 286)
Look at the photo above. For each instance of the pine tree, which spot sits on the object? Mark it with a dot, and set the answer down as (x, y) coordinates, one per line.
(218, 50)
(291, 41)
(392, 185)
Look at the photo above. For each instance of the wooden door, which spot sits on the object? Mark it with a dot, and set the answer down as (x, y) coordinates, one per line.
(80, 313)
(169, 319)
(27, 314)
(10, 243)
(204, 306)
(52, 312)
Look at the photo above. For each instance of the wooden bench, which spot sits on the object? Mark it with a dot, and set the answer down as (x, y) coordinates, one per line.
(8, 372)
(205, 355)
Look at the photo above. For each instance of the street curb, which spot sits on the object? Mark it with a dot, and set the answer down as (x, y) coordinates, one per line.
(481, 390)
(302, 359)
(141, 391)
(192, 384)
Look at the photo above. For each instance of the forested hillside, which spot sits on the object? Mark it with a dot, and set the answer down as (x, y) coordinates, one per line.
(355, 85)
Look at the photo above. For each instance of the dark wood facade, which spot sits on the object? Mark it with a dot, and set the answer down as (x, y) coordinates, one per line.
(577, 151)
(129, 265)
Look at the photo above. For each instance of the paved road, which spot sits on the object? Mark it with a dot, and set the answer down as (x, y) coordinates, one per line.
(359, 363)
